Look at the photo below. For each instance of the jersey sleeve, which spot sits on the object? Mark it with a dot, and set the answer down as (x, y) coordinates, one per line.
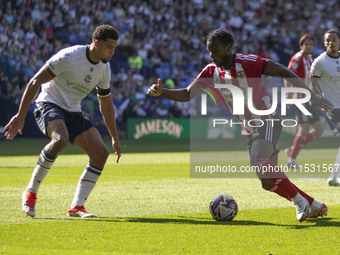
(315, 70)
(255, 65)
(297, 66)
(293, 64)
(58, 63)
(205, 78)
(103, 87)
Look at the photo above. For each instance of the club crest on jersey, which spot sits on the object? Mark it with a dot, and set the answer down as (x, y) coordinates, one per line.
(88, 78)
(241, 74)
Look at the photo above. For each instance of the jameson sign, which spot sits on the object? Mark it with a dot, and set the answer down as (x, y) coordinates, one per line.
(158, 128)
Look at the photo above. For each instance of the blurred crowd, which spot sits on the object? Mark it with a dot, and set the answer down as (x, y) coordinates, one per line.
(158, 38)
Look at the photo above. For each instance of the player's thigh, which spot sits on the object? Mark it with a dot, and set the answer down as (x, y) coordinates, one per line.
(304, 128)
(261, 149)
(56, 130)
(92, 143)
(318, 127)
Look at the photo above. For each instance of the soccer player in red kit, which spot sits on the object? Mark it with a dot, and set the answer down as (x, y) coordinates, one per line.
(300, 64)
(244, 71)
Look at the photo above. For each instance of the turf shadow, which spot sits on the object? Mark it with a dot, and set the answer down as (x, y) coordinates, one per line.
(310, 223)
(319, 222)
(188, 221)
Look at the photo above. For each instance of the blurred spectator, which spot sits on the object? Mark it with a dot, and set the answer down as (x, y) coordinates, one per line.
(161, 111)
(161, 37)
(121, 76)
(169, 83)
(135, 61)
(137, 77)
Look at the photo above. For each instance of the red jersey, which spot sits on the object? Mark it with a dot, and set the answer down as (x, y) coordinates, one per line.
(245, 72)
(301, 66)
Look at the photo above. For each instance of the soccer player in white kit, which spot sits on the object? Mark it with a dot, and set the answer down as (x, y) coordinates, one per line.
(325, 73)
(65, 79)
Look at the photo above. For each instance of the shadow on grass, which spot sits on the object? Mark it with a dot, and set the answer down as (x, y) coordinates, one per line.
(320, 222)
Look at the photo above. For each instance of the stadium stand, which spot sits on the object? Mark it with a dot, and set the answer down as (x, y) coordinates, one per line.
(166, 36)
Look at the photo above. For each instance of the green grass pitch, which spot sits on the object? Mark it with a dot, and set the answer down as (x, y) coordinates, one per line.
(148, 204)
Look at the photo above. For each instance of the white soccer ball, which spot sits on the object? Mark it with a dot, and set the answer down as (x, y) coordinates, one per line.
(223, 208)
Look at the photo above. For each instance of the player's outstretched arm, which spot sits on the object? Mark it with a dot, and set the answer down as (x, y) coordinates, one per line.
(181, 95)
(16, 124)
(276, 69)
(108, 112)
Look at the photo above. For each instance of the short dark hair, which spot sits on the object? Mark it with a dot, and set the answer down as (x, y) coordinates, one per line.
(221, 35)
(306, 37)
(104, 32)
(332, 31)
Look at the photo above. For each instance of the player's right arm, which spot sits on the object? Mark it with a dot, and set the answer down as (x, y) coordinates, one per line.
(181, 95)
(16, 124)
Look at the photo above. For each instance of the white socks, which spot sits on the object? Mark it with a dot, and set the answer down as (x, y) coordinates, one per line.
(297, 198)
(41, 169)
(336, 169)
(86, 184)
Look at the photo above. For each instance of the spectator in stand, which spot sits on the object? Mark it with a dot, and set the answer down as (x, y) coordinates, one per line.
(135, 61)
(171, 24)
(121, 76)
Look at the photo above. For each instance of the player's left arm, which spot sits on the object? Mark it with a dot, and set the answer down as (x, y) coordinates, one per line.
(314, 85)
(276, 69)
(108, 112)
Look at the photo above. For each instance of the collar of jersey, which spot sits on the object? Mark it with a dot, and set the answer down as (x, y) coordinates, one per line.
(88, 55)
(332, 56)
(234, 56)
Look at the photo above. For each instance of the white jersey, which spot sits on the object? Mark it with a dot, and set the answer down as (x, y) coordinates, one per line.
(75, 76)
(327, 68)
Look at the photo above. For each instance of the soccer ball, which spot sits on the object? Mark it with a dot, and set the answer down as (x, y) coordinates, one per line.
(223, 208)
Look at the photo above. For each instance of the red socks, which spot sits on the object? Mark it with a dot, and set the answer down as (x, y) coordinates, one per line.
(301, 140)
(298, 143)
(281, 184)
(311, 136)
(306, 196)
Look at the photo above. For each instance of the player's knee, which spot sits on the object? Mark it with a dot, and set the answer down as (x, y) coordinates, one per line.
(59, 142)
(101, 154)
(318, 131)
(303, 131)
(105, 151)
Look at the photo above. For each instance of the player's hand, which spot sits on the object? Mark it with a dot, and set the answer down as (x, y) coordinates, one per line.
(156, 89)
(118, 151)
(322, 102)
(15, 125)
